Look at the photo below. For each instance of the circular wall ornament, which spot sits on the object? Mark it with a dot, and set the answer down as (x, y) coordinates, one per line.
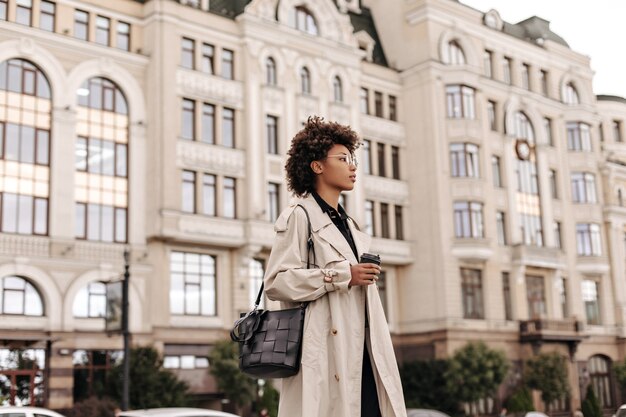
(522, 148)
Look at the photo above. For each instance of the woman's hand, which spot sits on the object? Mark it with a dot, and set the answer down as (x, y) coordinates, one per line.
(364, 274)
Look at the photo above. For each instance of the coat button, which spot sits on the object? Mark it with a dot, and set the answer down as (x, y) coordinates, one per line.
(334, 331)
(337, 377)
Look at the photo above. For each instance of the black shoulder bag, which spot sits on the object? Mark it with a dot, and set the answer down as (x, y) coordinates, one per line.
(270, 342)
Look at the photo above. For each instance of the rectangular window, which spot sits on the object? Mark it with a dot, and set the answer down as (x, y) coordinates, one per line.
(531, 229)
(547, 125)
(273, 193)
(228, 127)
(369, 217)
(588, 239)
(208, 123)
(393, 108)
(501, 228)
(562, 289)
(488, 63)
(24, 12)
(491, 115)
(228, 64)
(535, 296)
(381, 159)
(367, 157)
(230, 198)
(81, 221)
(526, 76)
(552, 178)
(3, 9)
(395, 162)
(464, 160)
(193, 289)
(506, 292)
(557, 234)
(122, 40)
(24, 214)
(188, 203)
(81, 25)
(103, 28)
(378, 103)
(399, 223)
(590, 295)
(506, 70)
(188, 120)
(271, 132)
(583, 187)
(187, 53)
(460, 102)
(384, 220)
(578, 137)
(209, 195)
(543, 75)
(46, 15)
(495, 171)
(468, 220)
(472, 293)
(364, 97)
(617, 131)
(208, 54)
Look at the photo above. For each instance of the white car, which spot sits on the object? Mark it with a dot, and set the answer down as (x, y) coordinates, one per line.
(27, 412)
(176, 412)
(423, 412)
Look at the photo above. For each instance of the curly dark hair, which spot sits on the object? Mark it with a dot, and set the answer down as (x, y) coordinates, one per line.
(312, 143)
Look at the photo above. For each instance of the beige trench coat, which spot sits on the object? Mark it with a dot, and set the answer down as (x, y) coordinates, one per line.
(329, 381)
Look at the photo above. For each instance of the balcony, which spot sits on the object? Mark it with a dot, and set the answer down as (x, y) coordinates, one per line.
(539, 256)
(540, 331)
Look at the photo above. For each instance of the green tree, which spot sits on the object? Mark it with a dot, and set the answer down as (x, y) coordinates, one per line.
(236, 386)
(151, 386)
(476, 371)
(591, 406)
(424, 385)
(620, 373)
(269, 399)
(520, 401)
(547, 372)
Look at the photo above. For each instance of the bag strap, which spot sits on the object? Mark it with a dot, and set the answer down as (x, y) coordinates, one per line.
(309, 248)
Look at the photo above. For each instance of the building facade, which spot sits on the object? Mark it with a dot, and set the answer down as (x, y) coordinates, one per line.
(491, 177)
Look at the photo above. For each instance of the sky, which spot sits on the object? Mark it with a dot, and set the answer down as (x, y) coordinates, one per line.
(596, 29)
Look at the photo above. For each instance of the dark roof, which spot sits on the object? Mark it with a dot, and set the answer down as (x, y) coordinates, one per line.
(228, 8)
(604, 97)
(533, 29)
(365, 21)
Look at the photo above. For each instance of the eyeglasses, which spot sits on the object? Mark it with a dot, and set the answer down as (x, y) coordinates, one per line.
(347, 159)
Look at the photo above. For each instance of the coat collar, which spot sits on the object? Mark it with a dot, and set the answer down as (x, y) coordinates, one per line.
(321, 224)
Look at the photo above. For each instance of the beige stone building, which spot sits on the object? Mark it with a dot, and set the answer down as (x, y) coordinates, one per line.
(491, 177)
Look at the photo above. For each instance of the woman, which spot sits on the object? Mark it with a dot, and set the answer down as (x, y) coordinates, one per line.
(348, 364)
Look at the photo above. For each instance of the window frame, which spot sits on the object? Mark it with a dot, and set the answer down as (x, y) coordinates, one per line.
(48, 14)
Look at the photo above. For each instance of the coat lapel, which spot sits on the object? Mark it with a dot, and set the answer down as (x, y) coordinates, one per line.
(326, 229)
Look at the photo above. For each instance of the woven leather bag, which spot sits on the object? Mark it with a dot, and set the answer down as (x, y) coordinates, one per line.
(270, 342)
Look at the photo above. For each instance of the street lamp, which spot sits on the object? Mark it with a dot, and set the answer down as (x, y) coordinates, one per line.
(125, 331)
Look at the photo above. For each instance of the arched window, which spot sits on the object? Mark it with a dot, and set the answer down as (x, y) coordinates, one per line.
(301, 18)
(101, 162)
(20, 297)
(570, 95)
(270, 71)
(599, 368)
(455, 53)
(305, 81)
(528, 199)
(90, 301)
(337, 90)
(25, 113)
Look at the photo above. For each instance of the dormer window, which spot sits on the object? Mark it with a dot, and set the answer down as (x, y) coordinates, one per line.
(570, 94)
(301, 19)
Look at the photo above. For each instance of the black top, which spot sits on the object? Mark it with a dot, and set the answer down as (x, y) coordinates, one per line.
(339, 218)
